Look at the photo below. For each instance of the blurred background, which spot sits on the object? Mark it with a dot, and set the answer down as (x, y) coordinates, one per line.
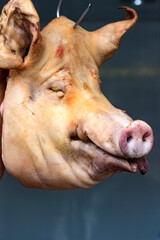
(126, 206)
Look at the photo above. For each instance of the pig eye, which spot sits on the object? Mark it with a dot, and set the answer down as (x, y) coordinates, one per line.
(57, 92)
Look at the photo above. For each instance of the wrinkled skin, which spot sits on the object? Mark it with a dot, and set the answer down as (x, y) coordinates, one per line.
(59, 130)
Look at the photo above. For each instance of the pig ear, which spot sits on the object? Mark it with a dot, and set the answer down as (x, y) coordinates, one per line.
(106, 40)
(3, 76)
(19, 28)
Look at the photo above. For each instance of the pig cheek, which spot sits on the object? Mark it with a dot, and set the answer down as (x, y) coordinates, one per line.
(56, 124)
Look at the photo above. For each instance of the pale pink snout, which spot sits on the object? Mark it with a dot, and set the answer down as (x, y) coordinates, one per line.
(136, 140)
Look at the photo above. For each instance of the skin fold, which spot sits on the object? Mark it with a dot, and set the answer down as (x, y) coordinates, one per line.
(59, 130)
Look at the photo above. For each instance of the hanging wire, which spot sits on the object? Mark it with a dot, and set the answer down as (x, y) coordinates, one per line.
(82, 16)
(58, 8)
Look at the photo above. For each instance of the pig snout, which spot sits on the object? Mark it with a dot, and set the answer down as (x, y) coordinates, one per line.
(136, 140)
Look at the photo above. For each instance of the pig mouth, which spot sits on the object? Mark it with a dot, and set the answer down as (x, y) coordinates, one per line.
(103, 163)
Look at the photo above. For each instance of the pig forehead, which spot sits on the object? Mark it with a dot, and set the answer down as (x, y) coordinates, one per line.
(64, 41)
(66, 48)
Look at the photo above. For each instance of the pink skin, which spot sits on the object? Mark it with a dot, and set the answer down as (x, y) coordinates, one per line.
(137, 140)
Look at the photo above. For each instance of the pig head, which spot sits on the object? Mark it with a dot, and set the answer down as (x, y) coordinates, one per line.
(59, 130)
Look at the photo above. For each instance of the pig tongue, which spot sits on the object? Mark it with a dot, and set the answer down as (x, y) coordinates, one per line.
(142, 164)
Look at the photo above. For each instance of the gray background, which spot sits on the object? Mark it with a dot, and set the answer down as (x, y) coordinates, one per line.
(126, 206)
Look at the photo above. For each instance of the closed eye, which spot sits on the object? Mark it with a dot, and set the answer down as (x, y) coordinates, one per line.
(57, 92)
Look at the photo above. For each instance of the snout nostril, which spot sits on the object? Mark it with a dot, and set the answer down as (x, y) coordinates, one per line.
(129, 138)
(145, 136)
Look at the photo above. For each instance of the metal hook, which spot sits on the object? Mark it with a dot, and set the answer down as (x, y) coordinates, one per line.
(82, 16)
(58, 8)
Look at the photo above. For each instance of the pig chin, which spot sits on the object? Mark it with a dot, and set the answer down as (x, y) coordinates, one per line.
(100, 164)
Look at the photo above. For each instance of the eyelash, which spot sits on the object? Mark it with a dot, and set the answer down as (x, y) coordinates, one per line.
(51, 89)
(57, 92)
